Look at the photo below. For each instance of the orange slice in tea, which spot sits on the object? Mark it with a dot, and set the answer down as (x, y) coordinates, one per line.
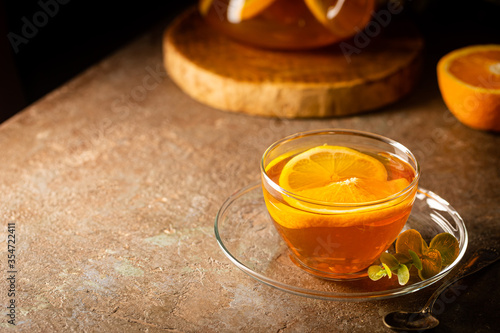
(337, 175)
(240, 10)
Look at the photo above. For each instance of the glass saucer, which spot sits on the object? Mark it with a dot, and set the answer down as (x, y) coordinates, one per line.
(248, 238)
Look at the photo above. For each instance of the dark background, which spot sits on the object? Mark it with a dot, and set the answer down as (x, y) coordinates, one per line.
(81, 32)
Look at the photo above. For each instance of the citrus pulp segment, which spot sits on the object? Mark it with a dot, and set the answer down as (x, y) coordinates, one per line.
(328, 186)
(478, 68)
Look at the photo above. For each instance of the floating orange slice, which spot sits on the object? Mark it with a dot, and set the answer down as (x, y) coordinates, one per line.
(469, 80)
(240, 10)
(337, 175)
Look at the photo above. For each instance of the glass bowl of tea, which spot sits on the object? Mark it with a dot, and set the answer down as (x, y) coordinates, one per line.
(287, 24)
(338, 198)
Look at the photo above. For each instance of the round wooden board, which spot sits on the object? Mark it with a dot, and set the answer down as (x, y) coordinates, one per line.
(354, 76)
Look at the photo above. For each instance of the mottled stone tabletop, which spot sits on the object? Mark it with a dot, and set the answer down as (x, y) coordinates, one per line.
(111, 184)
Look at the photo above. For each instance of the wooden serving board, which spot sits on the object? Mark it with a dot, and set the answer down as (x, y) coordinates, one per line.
(358, 75)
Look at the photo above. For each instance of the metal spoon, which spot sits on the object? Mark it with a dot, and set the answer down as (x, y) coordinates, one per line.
(424, 320)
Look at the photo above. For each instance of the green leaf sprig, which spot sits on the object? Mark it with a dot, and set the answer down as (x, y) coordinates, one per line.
(411, 249)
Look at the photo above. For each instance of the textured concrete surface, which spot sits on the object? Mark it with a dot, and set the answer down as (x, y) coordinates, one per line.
(113, 182)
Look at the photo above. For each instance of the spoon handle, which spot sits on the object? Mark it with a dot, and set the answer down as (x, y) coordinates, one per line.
(480, 259)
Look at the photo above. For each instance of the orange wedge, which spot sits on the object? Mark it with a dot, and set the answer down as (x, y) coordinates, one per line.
(240, 10)
(341, 17)
(469, 80)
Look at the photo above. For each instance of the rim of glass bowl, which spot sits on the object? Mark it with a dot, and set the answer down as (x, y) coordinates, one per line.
(369, 135)
(459, 225)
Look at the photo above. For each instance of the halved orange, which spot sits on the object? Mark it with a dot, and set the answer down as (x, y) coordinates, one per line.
(240, 10)
(469, 80)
